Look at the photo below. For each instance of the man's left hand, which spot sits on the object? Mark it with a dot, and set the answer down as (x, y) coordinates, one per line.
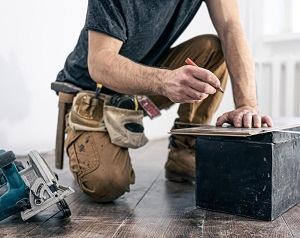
(244, 117)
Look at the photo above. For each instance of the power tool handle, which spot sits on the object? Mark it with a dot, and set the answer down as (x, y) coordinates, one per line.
(6, 158)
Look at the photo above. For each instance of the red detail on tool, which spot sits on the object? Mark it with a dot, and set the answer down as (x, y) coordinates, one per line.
(149, 107)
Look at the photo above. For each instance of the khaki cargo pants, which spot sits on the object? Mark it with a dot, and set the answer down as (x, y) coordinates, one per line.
(104, 170)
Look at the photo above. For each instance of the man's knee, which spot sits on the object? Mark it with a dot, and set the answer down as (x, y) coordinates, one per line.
(102, 169)
(209, 41)
(106, 186)
(206, 51)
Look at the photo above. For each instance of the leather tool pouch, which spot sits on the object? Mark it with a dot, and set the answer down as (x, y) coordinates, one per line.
(124, 126)
(87, 112)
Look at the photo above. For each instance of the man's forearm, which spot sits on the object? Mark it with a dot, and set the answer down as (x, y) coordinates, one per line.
(187, 84)
(123, 75)
(240, 66)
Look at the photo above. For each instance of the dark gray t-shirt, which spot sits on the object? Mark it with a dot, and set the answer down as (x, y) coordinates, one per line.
(147, 28)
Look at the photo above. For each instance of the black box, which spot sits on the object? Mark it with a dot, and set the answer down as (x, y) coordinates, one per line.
(256, 176)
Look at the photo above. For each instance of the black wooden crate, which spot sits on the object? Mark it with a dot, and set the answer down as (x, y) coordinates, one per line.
(256, 176)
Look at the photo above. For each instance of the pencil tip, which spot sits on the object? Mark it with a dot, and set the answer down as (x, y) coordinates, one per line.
(218, 88)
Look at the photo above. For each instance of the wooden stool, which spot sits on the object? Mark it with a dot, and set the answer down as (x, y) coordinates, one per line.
(66, 93)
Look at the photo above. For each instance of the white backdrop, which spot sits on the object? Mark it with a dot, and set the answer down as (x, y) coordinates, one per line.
(36, 37)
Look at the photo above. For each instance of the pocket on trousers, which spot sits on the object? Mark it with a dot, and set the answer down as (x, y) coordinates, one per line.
(72, 136)
(125, 127)
(83, 157)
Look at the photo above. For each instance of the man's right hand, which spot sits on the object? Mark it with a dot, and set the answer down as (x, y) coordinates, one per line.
(189, 84)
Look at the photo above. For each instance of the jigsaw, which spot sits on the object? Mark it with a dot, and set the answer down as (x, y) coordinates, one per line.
(30, 190)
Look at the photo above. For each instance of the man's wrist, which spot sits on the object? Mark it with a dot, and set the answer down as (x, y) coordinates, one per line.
(160, 75)
(252, 105)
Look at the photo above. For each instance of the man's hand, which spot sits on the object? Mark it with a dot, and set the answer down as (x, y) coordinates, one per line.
(188, 84)
(244, 117)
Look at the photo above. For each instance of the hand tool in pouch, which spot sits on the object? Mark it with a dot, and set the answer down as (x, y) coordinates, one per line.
(98, 90)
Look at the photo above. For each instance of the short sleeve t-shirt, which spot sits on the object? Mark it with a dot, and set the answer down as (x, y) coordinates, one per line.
(147, 29)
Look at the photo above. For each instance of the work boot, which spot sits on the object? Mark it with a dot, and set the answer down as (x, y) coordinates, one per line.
(180, 166)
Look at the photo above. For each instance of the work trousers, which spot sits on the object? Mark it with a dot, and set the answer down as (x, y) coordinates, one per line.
(104, 170)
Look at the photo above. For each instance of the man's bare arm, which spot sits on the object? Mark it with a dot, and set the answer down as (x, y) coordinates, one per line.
(226, 19)
(108, 67)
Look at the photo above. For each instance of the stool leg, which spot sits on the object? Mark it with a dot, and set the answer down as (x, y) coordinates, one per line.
(63, 105)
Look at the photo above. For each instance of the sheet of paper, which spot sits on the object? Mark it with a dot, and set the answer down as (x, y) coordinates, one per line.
(228, 130)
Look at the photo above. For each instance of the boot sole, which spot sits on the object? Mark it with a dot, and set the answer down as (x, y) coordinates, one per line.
(178, 178)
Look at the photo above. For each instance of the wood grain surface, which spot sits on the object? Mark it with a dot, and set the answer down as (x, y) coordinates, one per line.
(154, 207)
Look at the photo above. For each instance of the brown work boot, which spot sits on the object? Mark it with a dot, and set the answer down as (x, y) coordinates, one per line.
(180, 166)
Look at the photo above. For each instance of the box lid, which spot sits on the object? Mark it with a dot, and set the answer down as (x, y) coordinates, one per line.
(284, 129)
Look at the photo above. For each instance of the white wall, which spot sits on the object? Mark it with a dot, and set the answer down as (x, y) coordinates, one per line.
(36, 37)
(276, 58)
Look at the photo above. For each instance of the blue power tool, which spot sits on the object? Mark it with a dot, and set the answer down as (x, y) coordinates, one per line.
(30, 190)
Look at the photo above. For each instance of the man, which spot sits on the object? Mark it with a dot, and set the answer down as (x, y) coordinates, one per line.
(125, 46)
